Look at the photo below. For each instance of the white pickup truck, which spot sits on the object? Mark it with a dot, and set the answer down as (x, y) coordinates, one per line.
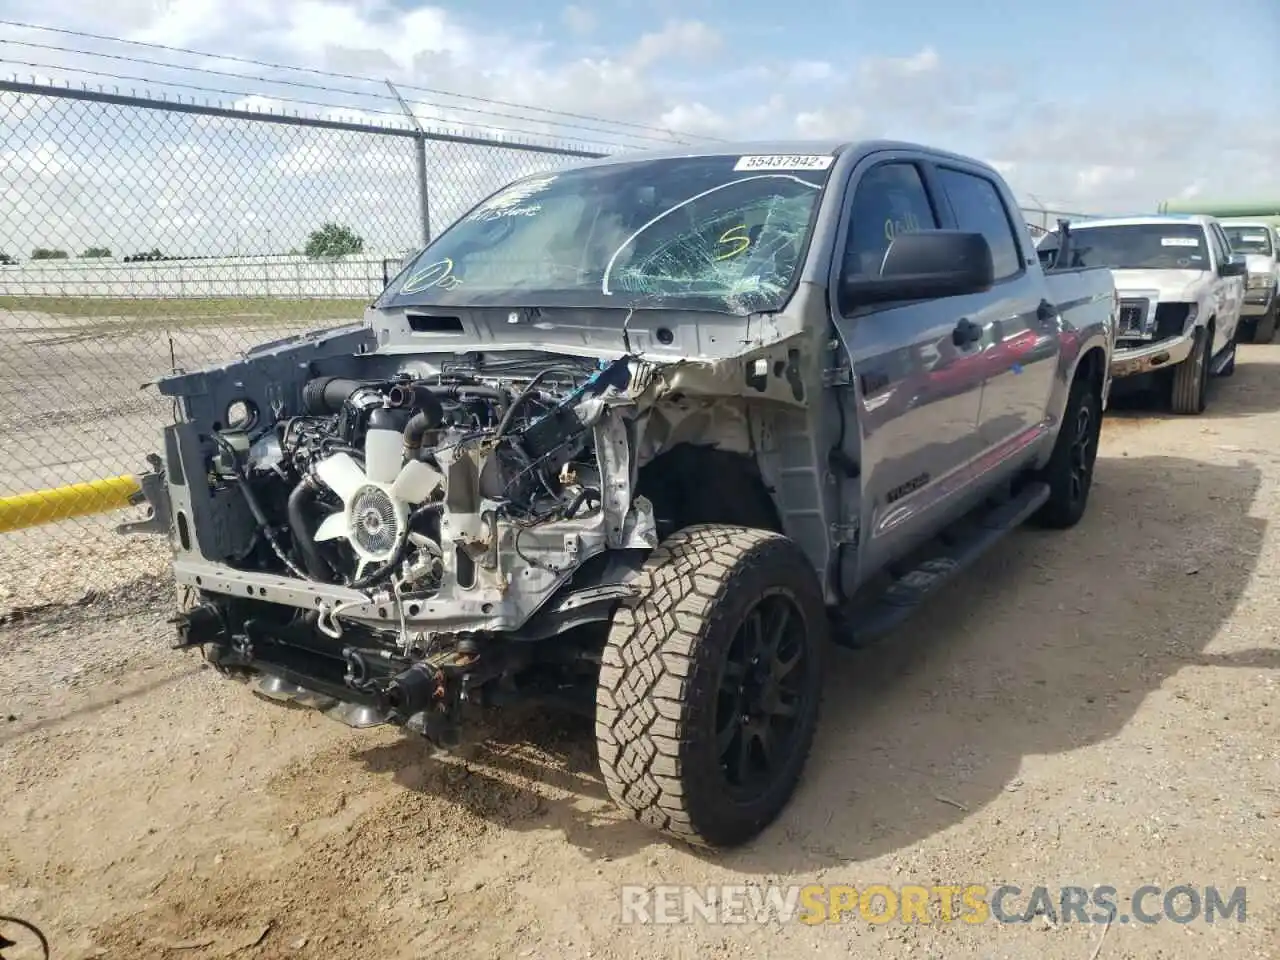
(1258, 241)
(1181, 291)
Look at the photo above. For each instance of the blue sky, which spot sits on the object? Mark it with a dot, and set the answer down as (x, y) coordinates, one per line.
(1090, 106)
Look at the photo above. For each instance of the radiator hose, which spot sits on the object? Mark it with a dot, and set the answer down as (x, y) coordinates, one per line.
(301, 497)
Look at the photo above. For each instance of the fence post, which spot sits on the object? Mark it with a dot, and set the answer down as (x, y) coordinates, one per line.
(424, 199)
(420, 154)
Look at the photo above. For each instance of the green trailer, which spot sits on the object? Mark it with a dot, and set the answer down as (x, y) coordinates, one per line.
(1256, 210)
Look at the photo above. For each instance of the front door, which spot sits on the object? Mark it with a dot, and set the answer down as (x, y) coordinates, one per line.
(1229, 291)
(916, 382)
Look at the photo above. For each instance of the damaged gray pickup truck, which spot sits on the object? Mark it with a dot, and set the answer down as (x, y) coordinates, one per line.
(640, 438)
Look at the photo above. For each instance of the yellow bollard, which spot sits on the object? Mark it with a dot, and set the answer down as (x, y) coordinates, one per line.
(62, 503)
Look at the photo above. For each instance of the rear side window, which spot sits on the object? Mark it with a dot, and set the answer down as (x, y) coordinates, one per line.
(979, 208)
(890, 199)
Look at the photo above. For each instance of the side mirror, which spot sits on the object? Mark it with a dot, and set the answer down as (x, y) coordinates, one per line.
(923, 266)
(1237, 266)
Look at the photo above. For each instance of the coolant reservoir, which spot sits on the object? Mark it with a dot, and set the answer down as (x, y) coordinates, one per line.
(384, 445)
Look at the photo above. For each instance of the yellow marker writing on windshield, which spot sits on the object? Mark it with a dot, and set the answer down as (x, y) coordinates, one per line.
(907, 224)
(438, 274)
(737, 237)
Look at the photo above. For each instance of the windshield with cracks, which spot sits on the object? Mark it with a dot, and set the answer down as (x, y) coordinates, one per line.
(689, 232)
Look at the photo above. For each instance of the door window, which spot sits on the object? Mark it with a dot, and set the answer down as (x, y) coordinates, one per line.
(890, 199)
(979, 208)
(1221, 248)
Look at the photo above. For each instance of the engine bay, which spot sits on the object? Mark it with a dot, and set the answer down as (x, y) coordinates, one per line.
(409, 485)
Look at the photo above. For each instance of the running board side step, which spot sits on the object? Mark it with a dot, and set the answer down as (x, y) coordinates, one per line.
(861, 628)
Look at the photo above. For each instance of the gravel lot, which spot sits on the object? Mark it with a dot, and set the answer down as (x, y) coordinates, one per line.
(1095, 707)
(73, 408)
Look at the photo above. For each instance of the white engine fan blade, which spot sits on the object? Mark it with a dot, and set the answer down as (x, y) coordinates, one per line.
(332, 527)
(416, 482)
(341, 474)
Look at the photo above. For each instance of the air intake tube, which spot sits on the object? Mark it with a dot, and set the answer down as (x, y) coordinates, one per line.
(328, 394)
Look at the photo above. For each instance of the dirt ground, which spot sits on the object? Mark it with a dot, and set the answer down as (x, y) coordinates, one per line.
(1100, 706)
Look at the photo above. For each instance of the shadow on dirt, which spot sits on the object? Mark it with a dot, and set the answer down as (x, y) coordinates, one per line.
(1248, 392)
(1036, 651)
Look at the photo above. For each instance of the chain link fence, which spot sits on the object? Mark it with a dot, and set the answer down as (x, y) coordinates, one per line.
(139, 235)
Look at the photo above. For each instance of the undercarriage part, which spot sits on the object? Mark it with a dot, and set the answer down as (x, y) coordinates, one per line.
(413, 691)
(201, 625)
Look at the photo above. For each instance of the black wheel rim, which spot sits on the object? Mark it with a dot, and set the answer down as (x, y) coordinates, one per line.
(763, 695)
(1081, 454)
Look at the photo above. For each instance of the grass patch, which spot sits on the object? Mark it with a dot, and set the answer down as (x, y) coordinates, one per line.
(160, 313)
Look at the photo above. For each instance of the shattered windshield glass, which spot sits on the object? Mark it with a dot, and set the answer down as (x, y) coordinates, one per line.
(722, 233)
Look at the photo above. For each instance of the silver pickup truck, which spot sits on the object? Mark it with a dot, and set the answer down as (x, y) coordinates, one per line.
(639, 439)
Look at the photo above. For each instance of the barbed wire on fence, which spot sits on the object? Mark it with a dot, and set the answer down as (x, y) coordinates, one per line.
(457, 112)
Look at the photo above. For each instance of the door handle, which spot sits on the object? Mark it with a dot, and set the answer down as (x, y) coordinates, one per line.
(1046, 312)
(966, 332)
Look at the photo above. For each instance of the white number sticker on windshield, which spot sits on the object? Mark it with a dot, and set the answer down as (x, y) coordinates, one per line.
(783, 163)
(1179, 242)
(1254, 238)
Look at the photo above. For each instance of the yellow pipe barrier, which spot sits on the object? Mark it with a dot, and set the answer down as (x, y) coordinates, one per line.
(63, 503)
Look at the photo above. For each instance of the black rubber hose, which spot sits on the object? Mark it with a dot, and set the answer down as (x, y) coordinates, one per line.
(328, 394)
(255, 508)
(416, 397)
(301, 497)
(462, 391)
(414, 431)
(527, 394)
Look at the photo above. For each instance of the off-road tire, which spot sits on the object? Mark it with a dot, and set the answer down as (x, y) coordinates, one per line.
(1190, 386)
(661, 673)
(1081, 424)
(1265, 331)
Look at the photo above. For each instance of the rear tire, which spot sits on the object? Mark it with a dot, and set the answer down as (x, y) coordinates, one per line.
(1265, 331)
(1187, 394)
(712, 670)
(1069, 472)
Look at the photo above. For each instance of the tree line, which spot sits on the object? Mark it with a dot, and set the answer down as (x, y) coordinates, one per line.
(330, 240)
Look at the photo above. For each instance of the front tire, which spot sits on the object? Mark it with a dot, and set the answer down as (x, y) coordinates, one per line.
(709, 684)
(1188, 392)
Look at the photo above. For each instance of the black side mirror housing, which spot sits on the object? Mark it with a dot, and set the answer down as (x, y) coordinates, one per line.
(925, 265)
(1235, 267)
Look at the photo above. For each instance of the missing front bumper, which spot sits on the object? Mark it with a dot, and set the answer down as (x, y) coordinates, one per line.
(1134, 361)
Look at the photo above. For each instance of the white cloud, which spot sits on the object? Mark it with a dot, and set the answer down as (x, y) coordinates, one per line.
(810, 71)
(207, 182)
(678, 39)
(579, 20)
(1102, 175)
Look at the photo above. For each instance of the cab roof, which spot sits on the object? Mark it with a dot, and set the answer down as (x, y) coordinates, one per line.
(794, 147)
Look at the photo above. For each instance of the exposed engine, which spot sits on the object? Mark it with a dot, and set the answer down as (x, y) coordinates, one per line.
(376, 480)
